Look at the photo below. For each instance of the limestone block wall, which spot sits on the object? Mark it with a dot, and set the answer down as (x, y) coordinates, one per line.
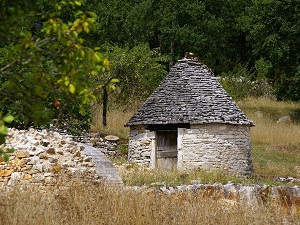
(220, 146)
(141, 146)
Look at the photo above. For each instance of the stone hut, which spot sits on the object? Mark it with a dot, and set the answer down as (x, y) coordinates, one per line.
(190, 121)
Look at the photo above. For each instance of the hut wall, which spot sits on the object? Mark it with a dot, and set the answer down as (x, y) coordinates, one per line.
(141, 146)
(219, 146)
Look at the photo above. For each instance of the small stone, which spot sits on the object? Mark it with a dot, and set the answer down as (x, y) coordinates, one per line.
(45, 142)
(48, 174)
(51, 151)
(91, 164)
(60, 152)
(27, 177)
(77, 154)
(33, 160)
(43, 155)
(95, 139)
(46, 166)
(6, 173)
(22, 154)
(53, 160)
(38, 167)
(38, 178)
(87, 159)
(14, 178)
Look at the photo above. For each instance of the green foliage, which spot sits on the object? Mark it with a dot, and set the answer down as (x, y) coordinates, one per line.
(138, 69)
(273, 31)
(123, 149)
(288, 87)
(240, 83)
(46, 70)
(261, 34)
(50, 65)
(4, 152)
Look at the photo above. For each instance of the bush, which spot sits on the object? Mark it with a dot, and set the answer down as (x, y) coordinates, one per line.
(241, 83)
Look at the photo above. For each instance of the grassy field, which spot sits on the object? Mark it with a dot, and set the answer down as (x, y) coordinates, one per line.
(275, 146)
(276, 152)
(78, 203)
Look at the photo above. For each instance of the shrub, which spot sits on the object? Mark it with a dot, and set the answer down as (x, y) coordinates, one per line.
(241, 83)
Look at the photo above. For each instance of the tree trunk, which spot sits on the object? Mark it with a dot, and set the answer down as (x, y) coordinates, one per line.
(172, 53)
(105, 101)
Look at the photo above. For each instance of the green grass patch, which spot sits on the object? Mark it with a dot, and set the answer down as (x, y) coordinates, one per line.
(137, 175)
(276, 160)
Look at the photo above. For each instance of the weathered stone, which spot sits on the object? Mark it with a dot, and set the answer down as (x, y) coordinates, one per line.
(6, 173)
(15, 177)
(38, 178)
(53, 160)
(51, 151)
(38, 167)
(284, 119)
(59, 151)
(34, 160)
(50, 180)
(27, 177)
(30, 162)
(45, 142)
(22, 163)
(46, 166)
(112, 138)
(43, 155)
(22, 154)
(87, 159)
(77, 154)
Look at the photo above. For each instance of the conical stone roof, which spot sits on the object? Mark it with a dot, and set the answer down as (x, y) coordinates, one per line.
(190, 94)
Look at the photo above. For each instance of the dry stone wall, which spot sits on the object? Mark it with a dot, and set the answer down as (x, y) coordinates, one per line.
(41, 156)
(220, 146)
(234, 194)
(141, 146)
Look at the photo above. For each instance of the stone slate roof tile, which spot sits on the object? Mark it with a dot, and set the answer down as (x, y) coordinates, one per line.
(189, 94)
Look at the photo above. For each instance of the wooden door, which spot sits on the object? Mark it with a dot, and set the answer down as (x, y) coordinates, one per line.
(166, 149)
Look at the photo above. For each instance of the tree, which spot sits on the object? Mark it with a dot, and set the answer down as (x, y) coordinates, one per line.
(139, 71)
(45, 67)
(273, 31)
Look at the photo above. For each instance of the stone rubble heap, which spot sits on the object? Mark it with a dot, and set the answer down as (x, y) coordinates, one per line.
(40, 156)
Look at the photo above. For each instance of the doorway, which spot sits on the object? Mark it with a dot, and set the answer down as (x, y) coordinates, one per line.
(167, 153)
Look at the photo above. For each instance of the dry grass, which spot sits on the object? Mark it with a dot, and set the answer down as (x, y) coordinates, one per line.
(98, 204)
(116, 119)
(134, 174)
(265, 113)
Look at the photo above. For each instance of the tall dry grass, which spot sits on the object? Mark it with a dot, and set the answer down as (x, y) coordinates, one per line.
(117, 117)
(98, 204)
(275, 146)
(265, 112)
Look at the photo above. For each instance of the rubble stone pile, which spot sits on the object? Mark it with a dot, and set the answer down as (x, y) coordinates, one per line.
(40, 156)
